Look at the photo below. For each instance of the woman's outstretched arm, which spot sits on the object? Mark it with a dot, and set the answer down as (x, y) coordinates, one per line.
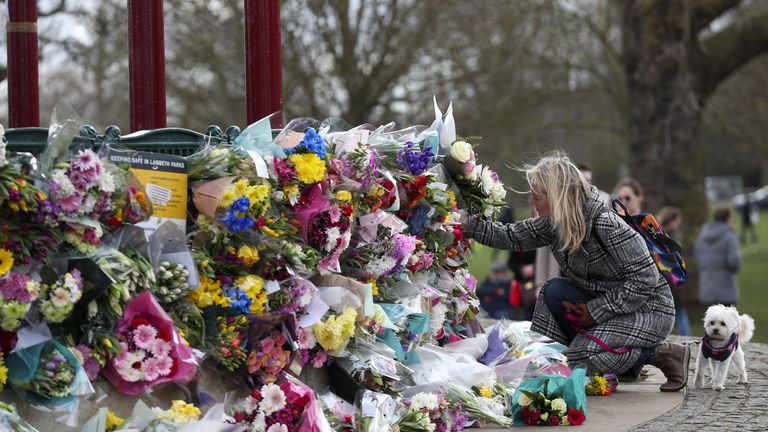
(524, 235)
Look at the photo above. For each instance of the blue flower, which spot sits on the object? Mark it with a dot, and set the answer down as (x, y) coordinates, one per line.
(311, 143)
(238, 300)
(241, 204)
(235, 222)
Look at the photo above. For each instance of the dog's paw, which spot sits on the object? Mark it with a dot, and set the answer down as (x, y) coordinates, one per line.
(743, 381)
(699, 385)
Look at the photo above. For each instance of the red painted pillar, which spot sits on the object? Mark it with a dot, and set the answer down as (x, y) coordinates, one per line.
(263, 68)
(146, 65)
(23, 95)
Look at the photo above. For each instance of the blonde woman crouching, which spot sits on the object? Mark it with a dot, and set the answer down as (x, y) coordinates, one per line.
(612, 307)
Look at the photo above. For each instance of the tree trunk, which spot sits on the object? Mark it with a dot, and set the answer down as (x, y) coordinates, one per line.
(662, 60)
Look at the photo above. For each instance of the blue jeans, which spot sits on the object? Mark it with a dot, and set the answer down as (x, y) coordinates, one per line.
(557, 290)
(681, 320)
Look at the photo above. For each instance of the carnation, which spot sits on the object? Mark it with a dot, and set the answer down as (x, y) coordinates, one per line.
(424, 400)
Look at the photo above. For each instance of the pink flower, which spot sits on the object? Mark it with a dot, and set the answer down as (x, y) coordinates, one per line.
(70, 203)
(151, 369)
(320, 359)
(144, 336)
(86, 160)
(335, 214)
(160, 348)
(164, 365)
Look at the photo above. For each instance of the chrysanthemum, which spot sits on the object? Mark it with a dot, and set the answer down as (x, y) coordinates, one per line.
(60, 297)
(273, 399)
(144, 336)
(160, 348)
(278, 427)
(151, 369)
(85, 160)
(251, 404)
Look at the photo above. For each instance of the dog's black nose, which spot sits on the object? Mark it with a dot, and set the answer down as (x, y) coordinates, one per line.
(715, 330)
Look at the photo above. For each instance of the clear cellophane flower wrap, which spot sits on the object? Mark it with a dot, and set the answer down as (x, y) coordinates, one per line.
(141, 312)
(11, 421)
(376, 412)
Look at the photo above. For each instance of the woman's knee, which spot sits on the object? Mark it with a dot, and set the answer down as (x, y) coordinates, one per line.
(556, 290)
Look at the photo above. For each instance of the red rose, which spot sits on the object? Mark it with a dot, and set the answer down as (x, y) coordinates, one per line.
(457, 236)
(532, 417)
(554, 420)
(256, 394)
(575, 417)
(7, 341)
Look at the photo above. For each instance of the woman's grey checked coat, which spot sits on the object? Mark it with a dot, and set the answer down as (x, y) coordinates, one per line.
(633, 307)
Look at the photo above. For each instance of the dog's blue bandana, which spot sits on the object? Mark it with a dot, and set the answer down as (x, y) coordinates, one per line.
(719, 354)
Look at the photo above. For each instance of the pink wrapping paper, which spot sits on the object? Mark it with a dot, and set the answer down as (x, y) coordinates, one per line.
(145, 306)
(302, 395)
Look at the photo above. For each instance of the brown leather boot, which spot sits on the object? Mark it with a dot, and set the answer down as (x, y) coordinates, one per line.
(673, 360)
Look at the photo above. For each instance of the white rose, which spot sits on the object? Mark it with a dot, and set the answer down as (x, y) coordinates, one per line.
(524, 400)
(559, 405)
(461, 151)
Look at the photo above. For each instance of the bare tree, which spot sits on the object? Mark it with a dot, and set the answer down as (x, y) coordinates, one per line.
(675, 59)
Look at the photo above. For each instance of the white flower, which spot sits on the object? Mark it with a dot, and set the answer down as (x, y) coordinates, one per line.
(278, 427)
(87, 206)
(524, 400)
(251, 404)
(437, 317)
(107, 182)
(498, 192)
(60, 297)
(461, 151)
(559, 405)
(273, 399)
(3, 160)
(259, 424)
(130, 374)
(380, 266)
(424, 400)
(65, 186)
(332, 235)
(486, 179)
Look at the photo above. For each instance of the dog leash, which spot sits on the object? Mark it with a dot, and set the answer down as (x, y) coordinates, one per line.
(573, 319)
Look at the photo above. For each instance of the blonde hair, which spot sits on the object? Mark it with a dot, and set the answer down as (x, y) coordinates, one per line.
(561, 182)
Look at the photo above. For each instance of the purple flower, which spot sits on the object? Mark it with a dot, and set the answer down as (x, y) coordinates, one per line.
(415, 161)
(404, 246)
(86, 160)
(14, 287)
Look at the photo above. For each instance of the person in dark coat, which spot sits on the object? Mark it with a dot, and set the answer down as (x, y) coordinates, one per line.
(611, 307)
(494, 293)
(716, 252)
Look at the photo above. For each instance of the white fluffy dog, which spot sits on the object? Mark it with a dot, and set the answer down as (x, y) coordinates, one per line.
(724, 333)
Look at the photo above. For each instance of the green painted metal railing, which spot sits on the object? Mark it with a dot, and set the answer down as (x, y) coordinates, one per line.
(177, 141)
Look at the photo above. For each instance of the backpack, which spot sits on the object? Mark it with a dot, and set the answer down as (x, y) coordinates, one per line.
(666, 253)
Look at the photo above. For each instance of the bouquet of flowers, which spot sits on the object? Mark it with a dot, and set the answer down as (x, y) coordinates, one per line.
(219, 161)
(551, 400)
(431, 412)
(47, 373)
(243, 203)
(58, 297)
(334, 333)
(131, 207)
(17, 292)
(151, 350)
(479, 407)
(269, 357)
(287, 407)
(602, 385)
(10, 419)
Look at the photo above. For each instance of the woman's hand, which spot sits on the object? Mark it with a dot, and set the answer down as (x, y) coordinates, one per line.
(581, 312)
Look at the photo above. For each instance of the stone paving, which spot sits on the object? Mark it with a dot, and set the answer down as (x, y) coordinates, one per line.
(739, 407)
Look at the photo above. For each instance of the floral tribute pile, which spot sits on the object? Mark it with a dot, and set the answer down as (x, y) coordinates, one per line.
(325, 247)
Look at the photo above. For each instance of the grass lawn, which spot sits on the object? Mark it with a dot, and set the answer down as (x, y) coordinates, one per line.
(752, 279)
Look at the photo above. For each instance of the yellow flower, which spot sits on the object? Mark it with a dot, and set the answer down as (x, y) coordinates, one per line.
(107, 343)
(451, 198)
(180, 413)
(113, 421)
(208, 294)
(334, 333)
(6, 261)
(251, 285)
(228, 198)
(309, 167)
(374, 286)
(3, 373)
(486, 392)
(270, 232)
(249, 255)
(344, 196)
